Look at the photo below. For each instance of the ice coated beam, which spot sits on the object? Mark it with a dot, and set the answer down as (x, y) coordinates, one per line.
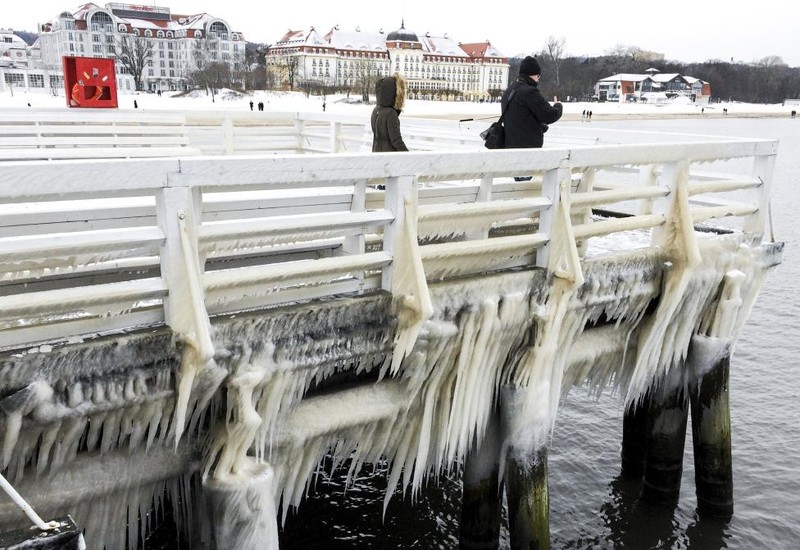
(528, 502)
(242, 509)
(66, 536)
(664, 463)
(634, 439)
(479, 528)
(711, 438)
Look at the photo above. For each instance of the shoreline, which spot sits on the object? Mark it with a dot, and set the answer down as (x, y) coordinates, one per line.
(576, 117)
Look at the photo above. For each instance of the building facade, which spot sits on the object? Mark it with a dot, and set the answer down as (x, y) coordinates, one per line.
(20, 67)
(435, 67)
(640, 87)
(179, 44)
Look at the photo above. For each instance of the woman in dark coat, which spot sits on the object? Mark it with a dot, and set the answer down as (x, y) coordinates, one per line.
(390, 95)
(528, 113)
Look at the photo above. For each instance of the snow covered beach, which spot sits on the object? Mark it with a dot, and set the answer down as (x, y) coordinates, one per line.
(341, 104)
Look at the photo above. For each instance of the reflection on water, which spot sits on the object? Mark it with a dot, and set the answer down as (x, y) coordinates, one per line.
(335, 517)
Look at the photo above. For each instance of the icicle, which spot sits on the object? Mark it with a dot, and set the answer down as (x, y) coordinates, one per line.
(18, 405)
(198, 348)
(409, 286)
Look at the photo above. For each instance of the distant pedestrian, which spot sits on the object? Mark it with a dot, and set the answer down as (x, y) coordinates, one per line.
(702, 110)
(323, 105)
(589, 116)
(725, 111)
(251, 104)
(794, 113)
(135, 105)
(260, 105)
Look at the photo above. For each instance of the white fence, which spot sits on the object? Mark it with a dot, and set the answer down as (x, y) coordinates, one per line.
(91, 247)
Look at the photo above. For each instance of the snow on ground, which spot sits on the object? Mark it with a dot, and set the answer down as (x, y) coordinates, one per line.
(341, 104)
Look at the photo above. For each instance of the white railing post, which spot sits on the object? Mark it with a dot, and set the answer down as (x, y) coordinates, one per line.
(398, 189)
(354, 244)
(178, 210)
(648, 177)
(679, 225)
(551, 189)
(484, 194)
(227, 133)
(755, 224)
(299, 127)
(335, 138)
(584, 215)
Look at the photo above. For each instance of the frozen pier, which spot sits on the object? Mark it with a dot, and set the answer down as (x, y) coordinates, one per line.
(206, 329)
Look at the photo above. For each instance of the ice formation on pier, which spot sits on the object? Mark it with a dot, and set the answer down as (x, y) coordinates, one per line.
(441, 366)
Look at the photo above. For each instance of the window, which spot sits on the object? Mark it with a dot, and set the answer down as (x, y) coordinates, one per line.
(148, 33)
(97, 48)
(101, 22)
(15, 79)
(36, 80)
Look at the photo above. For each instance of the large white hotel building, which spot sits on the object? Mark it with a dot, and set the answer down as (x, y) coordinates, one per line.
(433, 66)
(179, 42)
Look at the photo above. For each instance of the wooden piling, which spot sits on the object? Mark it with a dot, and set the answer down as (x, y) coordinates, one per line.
(664, 456)
(242, 509)
(635, 424)
(528, 501)
(711, 438)
(479, 528)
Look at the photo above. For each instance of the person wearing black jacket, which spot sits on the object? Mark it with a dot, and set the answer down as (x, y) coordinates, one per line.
(385, 120)
(529, 113)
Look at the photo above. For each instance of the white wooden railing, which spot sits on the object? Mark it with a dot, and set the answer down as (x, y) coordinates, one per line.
(91, 247)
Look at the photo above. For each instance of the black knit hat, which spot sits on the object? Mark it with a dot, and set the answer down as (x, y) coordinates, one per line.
(529, 66)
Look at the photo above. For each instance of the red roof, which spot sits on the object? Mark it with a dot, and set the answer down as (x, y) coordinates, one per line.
(477, 49)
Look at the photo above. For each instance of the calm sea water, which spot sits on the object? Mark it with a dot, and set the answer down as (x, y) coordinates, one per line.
(589, 506)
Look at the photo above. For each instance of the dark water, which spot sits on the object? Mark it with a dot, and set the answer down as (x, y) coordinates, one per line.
(589, 506)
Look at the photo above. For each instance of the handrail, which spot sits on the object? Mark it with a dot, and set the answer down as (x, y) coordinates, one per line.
(268, 228)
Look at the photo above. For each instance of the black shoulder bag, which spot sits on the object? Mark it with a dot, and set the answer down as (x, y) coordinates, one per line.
(494, 137)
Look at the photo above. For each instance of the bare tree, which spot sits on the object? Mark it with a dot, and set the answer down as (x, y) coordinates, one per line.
(212, 76)
(554, 47)
(134, 53)
(284, 68)
(625, 52)
(366, 74)
(771, 61)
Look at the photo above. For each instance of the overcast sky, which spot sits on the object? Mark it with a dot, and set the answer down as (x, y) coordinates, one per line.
(683, 30)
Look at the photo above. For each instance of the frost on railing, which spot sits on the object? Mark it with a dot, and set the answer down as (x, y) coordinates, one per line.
(80, 255)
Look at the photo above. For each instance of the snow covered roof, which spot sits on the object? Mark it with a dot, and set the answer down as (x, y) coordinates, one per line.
(136, 17)
(665, 77)
(302, 38)
(356, 39)
(441, 45)
(658, 78)
(626, 77)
